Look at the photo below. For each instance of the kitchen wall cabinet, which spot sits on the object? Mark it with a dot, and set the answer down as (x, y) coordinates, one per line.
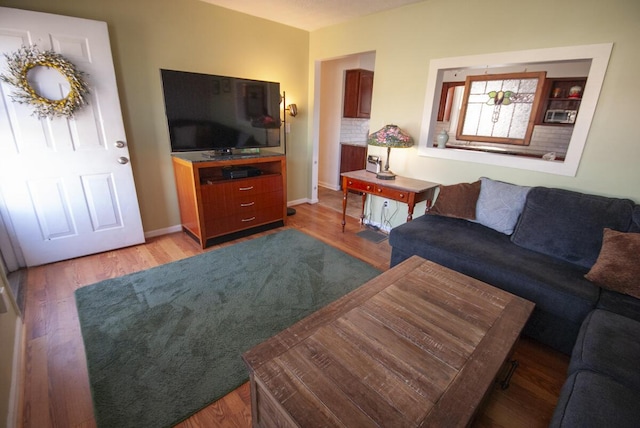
(557, 96)
(358, 88)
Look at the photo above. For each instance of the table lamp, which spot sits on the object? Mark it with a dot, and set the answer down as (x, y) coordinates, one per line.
(389, 136)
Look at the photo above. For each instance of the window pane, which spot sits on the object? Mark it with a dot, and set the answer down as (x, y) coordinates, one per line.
(499, 109)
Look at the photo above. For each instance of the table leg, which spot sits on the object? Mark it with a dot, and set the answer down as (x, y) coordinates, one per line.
(410, 206)
(430, 195)
(345, 192)
(364, 201)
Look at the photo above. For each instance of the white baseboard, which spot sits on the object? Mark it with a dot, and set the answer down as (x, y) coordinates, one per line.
(165, 231)
(329, 186)
(299, 202)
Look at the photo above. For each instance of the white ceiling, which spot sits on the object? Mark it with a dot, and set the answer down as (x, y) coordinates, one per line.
(310, 14)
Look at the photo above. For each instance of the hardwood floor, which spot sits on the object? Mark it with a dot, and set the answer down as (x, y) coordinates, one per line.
(55, 388)
(333, 199)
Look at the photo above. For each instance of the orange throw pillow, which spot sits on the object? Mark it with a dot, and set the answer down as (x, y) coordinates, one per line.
(618, 264)
(458, 200)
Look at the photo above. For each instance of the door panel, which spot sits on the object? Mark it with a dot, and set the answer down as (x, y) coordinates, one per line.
(64, 189)
(52, 208)
(102, 201)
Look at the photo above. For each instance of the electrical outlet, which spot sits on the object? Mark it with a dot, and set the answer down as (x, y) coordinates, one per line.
(385, 204)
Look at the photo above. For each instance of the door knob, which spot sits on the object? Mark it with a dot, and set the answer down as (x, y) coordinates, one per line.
(123, 160)
(120, 144)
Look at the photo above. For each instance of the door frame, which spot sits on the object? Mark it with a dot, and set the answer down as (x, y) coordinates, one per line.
(10, 250)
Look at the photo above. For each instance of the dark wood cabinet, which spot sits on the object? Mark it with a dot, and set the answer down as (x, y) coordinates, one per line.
(558, 97)
(213, 208)
(358, 88)
(352, 158)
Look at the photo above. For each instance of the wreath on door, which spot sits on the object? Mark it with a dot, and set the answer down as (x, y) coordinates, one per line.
(24, 60)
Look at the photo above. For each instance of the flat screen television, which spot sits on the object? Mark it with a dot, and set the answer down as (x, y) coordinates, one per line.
(220, 113)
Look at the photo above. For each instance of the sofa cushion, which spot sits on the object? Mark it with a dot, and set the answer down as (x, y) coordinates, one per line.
(569, 225)
(619, 303)
(475, 250)
(635, 224)
(500, 204)
(608, 343)
(592, 400)
(457, 200)
(618, 264)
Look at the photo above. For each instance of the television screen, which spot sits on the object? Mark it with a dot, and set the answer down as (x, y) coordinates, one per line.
(208, 112)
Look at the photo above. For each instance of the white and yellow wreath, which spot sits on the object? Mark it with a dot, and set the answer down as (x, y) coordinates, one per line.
(26, 58)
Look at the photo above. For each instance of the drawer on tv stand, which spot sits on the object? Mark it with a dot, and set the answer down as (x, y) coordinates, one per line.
(245, 220)
(242, 203)
(240, 187)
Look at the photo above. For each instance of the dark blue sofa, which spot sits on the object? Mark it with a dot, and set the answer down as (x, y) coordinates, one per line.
(556, 240)
(603, 387)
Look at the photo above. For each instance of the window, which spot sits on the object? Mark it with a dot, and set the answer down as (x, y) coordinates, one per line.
(500, 108)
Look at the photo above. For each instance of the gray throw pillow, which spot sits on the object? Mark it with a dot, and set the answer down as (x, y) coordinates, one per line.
(500, 204)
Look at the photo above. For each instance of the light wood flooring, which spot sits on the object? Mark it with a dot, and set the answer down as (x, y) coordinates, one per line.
(55, 387)
(333, 199)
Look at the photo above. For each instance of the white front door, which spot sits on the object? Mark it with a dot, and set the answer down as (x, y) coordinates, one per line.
(66, 184)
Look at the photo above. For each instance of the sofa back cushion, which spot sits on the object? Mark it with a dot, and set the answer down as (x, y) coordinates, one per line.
(635, 224)
(569, 225)
(500, 204)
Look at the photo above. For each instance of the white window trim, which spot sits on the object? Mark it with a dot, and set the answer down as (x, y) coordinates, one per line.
(598, 54)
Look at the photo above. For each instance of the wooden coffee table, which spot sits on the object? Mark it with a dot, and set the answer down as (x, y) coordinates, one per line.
(419, 345)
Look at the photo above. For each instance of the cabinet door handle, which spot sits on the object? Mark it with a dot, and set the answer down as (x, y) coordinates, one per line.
(248, 219)
(248, 205)
(245, 188)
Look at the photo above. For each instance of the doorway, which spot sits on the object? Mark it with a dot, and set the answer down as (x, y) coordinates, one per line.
(333, 129)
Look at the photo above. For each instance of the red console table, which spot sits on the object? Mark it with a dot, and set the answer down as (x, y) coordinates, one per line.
(402, 189)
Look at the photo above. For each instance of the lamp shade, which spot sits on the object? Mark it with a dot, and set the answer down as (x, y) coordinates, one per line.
(390, 136)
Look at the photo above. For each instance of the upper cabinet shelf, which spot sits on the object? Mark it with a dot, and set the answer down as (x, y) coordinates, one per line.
(561, 102)
(358, 87)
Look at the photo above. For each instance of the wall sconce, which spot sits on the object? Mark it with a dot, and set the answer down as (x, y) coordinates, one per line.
(293, 109)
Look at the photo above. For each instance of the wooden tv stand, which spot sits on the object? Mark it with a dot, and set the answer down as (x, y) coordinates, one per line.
(214, 209)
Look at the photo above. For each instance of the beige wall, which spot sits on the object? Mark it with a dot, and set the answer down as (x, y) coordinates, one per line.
(406, 39)
(191, 35)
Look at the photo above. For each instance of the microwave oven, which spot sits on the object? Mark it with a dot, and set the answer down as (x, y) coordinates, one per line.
(560, 116)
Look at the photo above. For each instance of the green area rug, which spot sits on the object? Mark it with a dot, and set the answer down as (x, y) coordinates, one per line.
(163, 343)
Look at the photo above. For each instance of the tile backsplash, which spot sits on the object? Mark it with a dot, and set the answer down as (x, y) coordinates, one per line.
(354, 130)
(545, 139)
